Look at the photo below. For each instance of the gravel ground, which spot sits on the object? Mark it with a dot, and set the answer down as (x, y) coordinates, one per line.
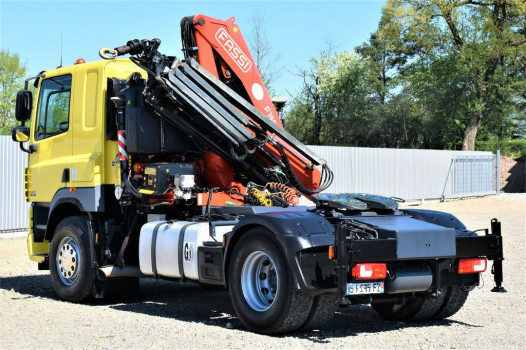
(183, 315)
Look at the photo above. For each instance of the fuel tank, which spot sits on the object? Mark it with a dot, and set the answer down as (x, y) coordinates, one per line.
(169, 248)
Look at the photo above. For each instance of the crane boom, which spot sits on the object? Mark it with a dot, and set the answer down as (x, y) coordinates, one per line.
(216, 95)
(219, 46)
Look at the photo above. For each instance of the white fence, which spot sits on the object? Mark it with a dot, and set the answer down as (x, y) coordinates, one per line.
(403, 173)
(13, 206)
(409, 173)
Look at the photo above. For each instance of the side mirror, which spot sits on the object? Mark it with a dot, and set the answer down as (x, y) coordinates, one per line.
(20, 133)
(63, 127)
(24, 104)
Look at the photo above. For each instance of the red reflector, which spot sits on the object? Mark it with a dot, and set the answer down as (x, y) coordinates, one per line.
(475, 265)
(332, 252)
(369, 271)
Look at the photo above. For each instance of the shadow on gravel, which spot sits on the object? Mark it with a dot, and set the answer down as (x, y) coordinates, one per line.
(188, 302)
(362, 319)
(183, 301)
(34, 286)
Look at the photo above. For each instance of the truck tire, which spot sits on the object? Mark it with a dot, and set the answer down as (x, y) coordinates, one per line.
(323, 308)
(418, 308)
(70, 260)
(454, 299)
(262, 288)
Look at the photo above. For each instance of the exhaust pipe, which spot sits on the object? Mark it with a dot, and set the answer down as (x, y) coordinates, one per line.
(113, 271)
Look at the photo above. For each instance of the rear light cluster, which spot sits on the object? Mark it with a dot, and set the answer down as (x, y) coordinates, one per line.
(371, 271)
(475, 265)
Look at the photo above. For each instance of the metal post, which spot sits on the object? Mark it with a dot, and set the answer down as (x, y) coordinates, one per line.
(497, 175)
(342, 261)
(498, 258)
(442, 198)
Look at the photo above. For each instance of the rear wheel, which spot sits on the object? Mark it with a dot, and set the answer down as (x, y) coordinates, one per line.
(418, 308)
(261, 286)
(323, 308)
(70, 260)
(454, 299)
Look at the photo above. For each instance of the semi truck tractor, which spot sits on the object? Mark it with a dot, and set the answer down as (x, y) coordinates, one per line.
(155, 166)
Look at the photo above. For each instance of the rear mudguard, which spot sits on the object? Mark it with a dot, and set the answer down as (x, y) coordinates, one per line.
(438, 218)
(294, 231)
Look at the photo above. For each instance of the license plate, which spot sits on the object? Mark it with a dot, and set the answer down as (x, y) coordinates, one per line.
(365, 288)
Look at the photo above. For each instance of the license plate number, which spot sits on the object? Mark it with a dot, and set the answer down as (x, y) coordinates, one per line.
(365, 288)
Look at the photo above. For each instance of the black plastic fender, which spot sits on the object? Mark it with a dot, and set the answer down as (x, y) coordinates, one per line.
(294, 231)
(438, 218)
(87, 199)
(84, 199)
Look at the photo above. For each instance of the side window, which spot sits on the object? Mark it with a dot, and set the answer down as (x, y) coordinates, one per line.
(53, 107)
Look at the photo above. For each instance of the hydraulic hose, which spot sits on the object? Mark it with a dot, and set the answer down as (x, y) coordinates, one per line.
(325, 180)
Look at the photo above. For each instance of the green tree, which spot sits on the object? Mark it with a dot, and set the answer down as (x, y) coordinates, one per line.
(398, 117)
(333, 105)
(11, 80)
(384, 61)
(481, 42)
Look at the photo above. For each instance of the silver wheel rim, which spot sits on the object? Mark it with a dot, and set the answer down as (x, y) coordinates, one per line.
(68, 260)
(259, 281)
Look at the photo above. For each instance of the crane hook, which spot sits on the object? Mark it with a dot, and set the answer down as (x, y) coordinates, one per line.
(107, 53)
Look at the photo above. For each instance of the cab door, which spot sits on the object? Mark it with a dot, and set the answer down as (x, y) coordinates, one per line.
(51, 135)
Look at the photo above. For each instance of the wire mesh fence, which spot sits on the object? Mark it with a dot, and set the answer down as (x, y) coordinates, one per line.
(474, 175)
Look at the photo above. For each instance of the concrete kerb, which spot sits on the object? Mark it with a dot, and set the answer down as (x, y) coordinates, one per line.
(16, 234)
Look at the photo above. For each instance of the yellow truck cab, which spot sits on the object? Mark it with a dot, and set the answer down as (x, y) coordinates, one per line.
(72, 146)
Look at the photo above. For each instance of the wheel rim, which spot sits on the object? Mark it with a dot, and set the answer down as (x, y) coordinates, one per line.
(259, 281)
(68, 260)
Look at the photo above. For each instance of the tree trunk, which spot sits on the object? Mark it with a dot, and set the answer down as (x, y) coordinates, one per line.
(317, 123)
(470, 132)
(317, 116)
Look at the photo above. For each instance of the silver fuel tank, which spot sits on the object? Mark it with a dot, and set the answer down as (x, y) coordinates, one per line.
(169, 249)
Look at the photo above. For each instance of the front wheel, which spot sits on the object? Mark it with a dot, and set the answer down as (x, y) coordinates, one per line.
(70, 260)
(262, 289)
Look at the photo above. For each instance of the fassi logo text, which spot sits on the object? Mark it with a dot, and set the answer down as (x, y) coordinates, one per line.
(233, 50)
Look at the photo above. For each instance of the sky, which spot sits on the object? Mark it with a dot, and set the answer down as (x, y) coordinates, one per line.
(296, 30)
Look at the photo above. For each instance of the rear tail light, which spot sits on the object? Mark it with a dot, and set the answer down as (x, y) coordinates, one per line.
(472, 265)
(369, 271)
(332, 252)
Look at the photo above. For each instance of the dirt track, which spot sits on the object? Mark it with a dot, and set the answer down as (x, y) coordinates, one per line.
(183, 315)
